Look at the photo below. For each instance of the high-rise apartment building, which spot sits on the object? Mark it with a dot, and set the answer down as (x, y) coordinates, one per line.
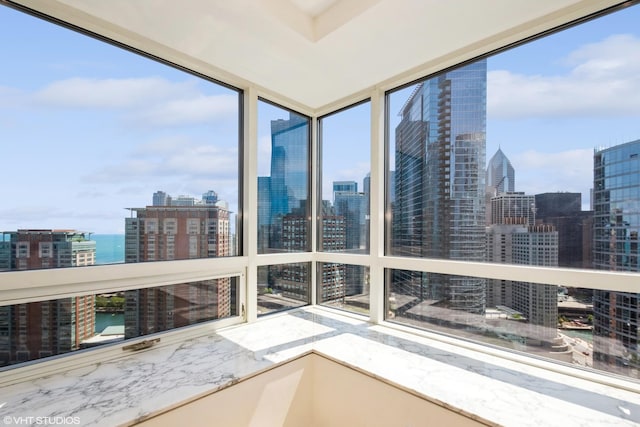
(514, 238)
(46, 328)
(511, 213)
(160, 233)
(295, 278)
(617, 224)
(439, 207)
(512, 208)
(351, 205)
(538, 303)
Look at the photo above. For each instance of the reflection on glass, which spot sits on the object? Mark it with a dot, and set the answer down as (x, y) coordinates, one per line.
(344, 168)
(47, 328)
(528, 323)
(344, 286)
(167, 307)
(283, 286)
(113, 130)
(283, 188)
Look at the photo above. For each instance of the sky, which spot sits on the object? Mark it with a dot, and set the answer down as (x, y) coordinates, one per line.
(88, 130)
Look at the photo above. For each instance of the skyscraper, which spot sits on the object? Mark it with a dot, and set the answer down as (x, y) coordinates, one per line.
(514, 238)
(575, 227)
(46, 328)
(264, 213)
(617, 224)
(513, 208)
(439, 208)
(295, 281)
(538, 245)
(289, 184)
(170, 233)
(500, 178)
(511, 213)
(350, 205)
(500, 174)
(160, 198)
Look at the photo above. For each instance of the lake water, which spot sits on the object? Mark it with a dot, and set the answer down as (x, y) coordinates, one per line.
(109, 248)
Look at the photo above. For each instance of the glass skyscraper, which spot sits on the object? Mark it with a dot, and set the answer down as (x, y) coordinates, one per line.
(288, 182)
(617, 223)
(501, 175)
(439, 208)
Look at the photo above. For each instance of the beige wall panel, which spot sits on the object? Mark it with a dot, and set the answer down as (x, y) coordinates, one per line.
(311, 391)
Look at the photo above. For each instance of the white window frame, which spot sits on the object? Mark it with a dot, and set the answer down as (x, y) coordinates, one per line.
(29, 286)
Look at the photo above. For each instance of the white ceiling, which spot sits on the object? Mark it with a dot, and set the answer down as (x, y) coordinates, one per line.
(317, 52)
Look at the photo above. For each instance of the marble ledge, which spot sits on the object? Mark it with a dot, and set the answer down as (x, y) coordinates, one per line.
(502, 391)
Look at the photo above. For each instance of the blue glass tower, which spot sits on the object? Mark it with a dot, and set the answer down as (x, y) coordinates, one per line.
(289, 183)
(616, 182)
(439, 208)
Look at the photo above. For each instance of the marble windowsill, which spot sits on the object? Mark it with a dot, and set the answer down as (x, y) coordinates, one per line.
(490, 388)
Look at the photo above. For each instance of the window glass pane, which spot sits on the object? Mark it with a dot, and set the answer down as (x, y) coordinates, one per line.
(107, 143)
(344, 286)
(527, 157)
(47, 328)
(283, 286)
(438, 145)
(283, 180)
(345, 185)
(422, 299)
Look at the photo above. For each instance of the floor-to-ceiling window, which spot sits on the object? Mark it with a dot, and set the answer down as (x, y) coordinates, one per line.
(493, 161)
(344, 205)
(283, 220)
(110, 157)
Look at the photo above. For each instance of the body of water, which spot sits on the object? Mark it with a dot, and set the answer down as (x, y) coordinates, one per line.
(109, 248)
(108, 319)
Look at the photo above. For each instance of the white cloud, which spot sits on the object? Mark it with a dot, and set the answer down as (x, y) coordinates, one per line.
(198, 109)
(203, 160)
(603, 79)
(176, 158)
(110, 93)
(538, 172)
(149, 101)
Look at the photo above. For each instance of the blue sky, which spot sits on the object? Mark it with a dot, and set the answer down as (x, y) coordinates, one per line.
(552, 101)
(88, 130)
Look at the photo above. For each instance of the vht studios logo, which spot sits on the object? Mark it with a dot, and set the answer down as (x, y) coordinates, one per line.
(45, 421)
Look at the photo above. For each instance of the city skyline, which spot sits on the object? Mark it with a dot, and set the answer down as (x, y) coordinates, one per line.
(438, 149)
(147, 123)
